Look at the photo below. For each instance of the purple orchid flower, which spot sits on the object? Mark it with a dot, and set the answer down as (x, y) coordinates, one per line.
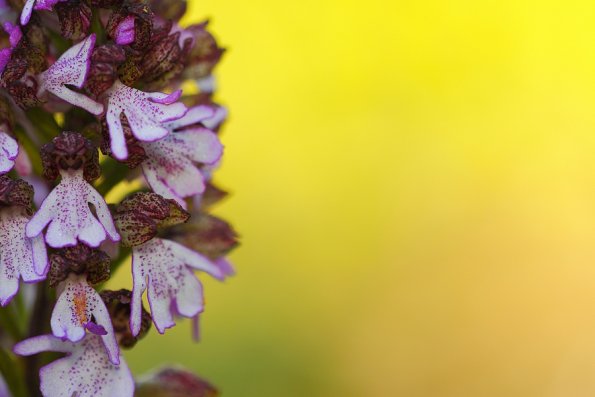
(75, 309)
(20, 256)
(71, 68)
(170, 168)
(67, 212)
(14, 36)
(9, 150)
(86, 371)
(146, 112)
(37, 5)
(165, 268)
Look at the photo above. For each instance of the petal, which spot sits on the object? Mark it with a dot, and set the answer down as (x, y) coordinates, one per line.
(66, 322)
(139, 287)
(218, 118)
(193, 259)
(26, 13)
(42, 343)
(116, 133)
(189, 299)
(170, 170)
(205, 144)
(9, 149)
(103, 214)
(125, 31)
(71, 69)
(10, 284)
(41, 264)
(85, 372)
(194, 115)
(145, 113)
(102, 318)
(67, 211)
(16, 255)
(165, 99)
(172, 286)
(160, 305)
(43, 216)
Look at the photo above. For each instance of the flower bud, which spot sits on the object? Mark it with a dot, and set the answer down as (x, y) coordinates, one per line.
(171, 10)
(24, 95)
(172, 382)
(163, 60)
(75, 18)
(104, 68)
(79, 259)
(118, 305)
(204, 52)
(15, 193)
(131, 16)
(139, 217)
(207, 234)
(70, 151)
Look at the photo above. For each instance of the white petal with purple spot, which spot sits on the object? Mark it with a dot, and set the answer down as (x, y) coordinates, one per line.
(165, 268)
(66, 210)
(71, 69)
(170, 168)
(145, 111)
(86, 370)
(9, 150)
(80, 308)
(20, 256)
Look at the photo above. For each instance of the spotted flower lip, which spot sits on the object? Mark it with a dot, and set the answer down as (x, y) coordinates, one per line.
(146, 113)
(165, 269)
(86, 371)
(20, 256)
(71, 68)
(76, 308)
(170, 168)
(9, 150)
(66, 210)
(38, 5)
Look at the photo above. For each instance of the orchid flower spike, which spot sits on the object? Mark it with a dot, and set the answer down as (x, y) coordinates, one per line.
(20, 256)
(146, 113)
(86, 371)
(71, 68)
(170, 168)
(66, 209)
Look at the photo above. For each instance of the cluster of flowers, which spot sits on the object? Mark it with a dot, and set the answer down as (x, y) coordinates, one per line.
(76, 77)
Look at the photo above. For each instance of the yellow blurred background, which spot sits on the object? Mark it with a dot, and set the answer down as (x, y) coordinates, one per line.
(414, 184)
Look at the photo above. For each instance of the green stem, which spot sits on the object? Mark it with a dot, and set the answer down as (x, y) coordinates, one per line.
(10, 324)
(112, 175)
(45, 123)
(10, 371)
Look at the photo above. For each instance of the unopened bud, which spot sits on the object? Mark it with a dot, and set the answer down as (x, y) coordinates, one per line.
(170, 382)
(70, 151)
(75, 18)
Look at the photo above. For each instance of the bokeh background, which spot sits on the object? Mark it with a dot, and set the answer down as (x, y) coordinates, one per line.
(414, 183)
